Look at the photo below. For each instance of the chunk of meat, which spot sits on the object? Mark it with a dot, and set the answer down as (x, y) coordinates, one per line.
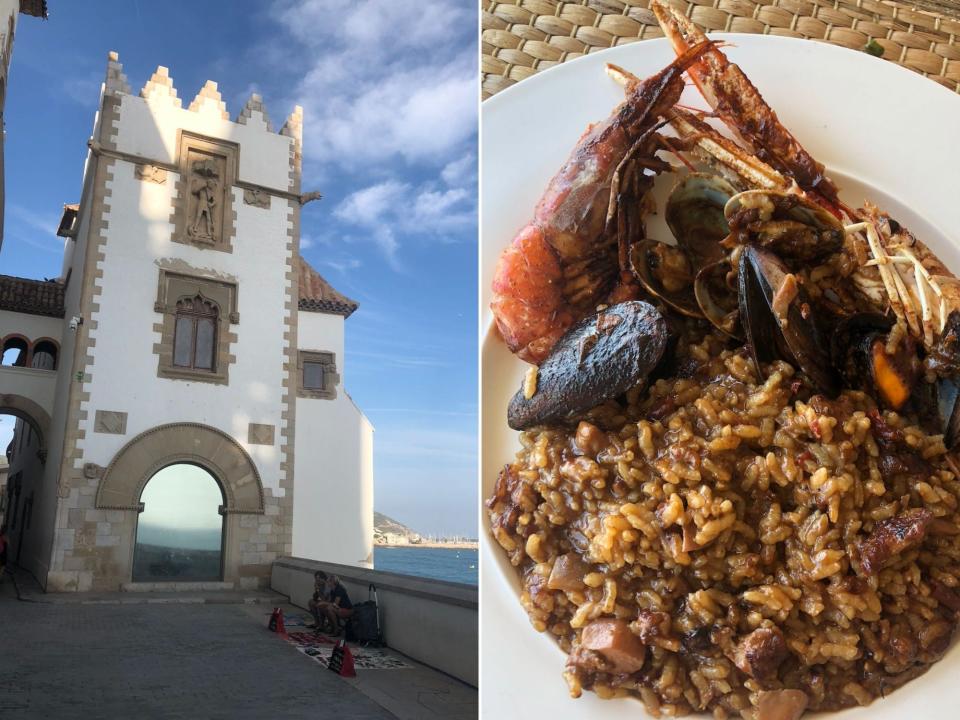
(891, 537)
(760, 653)
(902, 462)
(567, 573)
(612, 639)
(781, 704)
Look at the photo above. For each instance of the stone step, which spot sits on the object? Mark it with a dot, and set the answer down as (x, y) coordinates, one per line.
(176, 586)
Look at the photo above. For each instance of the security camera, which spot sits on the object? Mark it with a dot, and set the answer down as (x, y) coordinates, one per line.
(75, 322)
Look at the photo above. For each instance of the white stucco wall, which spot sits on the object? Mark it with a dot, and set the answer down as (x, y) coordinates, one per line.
(125, 368)
(150, 129)
(33, 384)
(33, 327)
(333, 477)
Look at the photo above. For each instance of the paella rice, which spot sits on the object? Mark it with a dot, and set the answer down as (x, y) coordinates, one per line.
(724, 543)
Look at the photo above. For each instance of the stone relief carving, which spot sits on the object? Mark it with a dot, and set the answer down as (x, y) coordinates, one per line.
(205, 201)
(258, 434)
(257, 198)
(151, 173)
(92, 471)
(112, 422)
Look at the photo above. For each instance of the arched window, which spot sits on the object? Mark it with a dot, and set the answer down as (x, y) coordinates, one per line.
(195, 334)
(44, 355)
(15, 351)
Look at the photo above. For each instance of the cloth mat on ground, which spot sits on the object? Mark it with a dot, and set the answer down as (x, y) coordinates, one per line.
(320, 647)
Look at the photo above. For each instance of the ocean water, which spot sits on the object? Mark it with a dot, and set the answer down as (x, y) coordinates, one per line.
(451, 564)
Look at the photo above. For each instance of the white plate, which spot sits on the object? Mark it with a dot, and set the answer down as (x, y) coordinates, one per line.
(884, 133)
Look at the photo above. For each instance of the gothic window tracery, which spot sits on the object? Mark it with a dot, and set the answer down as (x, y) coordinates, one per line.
(195, 334)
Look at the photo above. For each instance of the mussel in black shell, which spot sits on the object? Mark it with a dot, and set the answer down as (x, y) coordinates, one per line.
(599, 358)
(778, 319)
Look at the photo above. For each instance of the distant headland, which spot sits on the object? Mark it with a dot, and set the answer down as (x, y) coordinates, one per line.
(388, 532)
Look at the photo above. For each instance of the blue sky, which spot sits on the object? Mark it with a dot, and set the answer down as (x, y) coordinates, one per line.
(389, 91)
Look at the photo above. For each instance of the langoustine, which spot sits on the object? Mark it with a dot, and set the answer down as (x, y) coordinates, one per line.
(572, 256)
(889, 266)
(872, 265)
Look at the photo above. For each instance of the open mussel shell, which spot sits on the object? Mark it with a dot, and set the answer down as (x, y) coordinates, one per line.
(860, 350)
(778, 319)
(664, 272)
(788, 224)
(716, 300)
(948, 410)
(599, 358)
(695, 215)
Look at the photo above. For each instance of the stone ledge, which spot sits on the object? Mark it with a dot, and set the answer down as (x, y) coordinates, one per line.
(442, 591)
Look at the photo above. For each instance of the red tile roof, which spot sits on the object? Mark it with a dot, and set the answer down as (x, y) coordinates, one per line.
(317, 295)
(36, 297)
(37, 8)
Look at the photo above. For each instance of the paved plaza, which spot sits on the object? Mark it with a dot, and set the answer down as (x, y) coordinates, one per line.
(180, 656)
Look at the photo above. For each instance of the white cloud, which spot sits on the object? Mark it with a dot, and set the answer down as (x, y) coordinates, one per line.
(391, 208)
(44, 224)
(460, 171)
(382, 83)
(390, 99)
(342, 265)
(83, 89)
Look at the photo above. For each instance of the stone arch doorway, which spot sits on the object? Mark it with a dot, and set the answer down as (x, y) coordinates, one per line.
(179, 533)
(129, 474)
(31, 413)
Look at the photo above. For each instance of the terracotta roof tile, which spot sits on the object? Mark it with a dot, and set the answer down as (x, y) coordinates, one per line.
(36, 297)
(37, 8)
(317, 295)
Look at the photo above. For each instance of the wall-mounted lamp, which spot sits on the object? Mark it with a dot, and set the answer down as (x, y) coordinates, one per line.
(75, 322)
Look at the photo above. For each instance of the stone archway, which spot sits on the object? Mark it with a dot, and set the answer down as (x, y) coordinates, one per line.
(123, 481)
(138, 461)
(30, 412)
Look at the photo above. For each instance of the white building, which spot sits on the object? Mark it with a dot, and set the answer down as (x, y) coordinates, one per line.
(180, 386)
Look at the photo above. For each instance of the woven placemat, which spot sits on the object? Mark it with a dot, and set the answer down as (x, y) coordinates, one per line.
(521, 37)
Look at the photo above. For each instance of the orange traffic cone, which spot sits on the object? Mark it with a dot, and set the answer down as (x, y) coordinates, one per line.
(276, 622)
(341, 660)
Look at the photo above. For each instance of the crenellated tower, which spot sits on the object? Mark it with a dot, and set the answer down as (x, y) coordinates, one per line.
(197, 335)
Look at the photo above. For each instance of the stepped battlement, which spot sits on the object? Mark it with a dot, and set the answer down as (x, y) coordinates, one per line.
(160, 89)
(149, 128)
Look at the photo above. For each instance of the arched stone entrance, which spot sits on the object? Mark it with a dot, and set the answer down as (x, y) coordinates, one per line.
(30, 412)
(148, 452)
(180, 529)
(137, 462)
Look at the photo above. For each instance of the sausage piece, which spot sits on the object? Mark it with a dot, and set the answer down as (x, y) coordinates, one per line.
(612, 639)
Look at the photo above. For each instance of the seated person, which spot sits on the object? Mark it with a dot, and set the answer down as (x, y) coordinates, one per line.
(337, 607)
(320, 596)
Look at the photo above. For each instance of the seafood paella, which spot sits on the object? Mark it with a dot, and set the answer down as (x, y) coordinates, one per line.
(737, 489)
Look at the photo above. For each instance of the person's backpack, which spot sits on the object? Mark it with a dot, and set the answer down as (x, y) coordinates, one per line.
(364, 624)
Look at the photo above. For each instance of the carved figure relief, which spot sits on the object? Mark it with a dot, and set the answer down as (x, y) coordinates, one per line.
(205, 213)
(205, 198)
